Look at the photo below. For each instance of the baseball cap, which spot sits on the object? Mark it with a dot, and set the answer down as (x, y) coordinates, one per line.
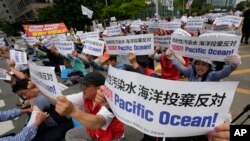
(94, 78)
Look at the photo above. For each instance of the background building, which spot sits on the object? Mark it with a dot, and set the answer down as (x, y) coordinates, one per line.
(21, 10)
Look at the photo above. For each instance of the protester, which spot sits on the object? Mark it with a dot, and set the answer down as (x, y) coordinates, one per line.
(246, 27)
(28, 133)
(55, 126)
(99, 124)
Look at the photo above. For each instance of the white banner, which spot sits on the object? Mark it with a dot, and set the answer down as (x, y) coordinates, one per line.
(163, 41)
(228, 20)
(18, 56)
(31, 40)
(165, 108)
(113, 31)
(88, 35)
(93, 47)
(139, 44)
(213, 48)
(195, 23)
(45, 80)
(4, 75)
(64, 47)
(136, 25)
(173, 25)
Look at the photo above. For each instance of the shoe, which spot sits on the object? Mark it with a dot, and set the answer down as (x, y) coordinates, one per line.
(246, 43)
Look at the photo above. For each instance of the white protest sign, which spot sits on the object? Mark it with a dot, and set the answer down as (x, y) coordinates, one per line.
(235, 20)
(163, 41)
(48, 44)
(61, 36)
(64, 47)
(113, 24)
(45, 79)
(195, 23)
(139, 44)
(228, 20)
(31, 40)
(4, 75)
(93, 47)
(88, 35)
(213, 48)
(18, 56)
(136, 25)
(165, 108)
(173, 25)
(2, 43)
(113, 31)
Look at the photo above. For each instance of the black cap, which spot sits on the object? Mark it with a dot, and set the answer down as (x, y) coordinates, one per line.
(94, 78)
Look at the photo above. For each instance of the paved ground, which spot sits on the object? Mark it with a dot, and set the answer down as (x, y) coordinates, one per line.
(242, 97)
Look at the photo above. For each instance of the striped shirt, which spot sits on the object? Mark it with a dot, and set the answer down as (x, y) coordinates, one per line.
(10, 114)
(28, 132)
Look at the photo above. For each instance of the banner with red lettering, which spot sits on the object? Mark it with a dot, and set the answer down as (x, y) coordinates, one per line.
(44, 29)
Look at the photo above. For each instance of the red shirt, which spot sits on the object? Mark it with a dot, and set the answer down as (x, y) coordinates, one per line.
(114, 131)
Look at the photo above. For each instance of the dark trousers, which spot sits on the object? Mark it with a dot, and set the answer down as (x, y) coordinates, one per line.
(57, 133)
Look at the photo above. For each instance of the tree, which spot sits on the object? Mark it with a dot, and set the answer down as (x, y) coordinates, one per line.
(9, 29)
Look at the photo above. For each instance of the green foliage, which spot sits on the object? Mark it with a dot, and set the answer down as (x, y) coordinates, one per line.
(123, 9)
(242, 5)
(9, 29)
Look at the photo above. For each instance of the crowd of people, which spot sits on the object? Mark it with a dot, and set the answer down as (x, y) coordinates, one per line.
(54, 120)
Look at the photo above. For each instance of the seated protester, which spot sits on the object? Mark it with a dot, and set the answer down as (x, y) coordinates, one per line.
(28, 133)
(20, 73)
(55, 126)
(168, 70)
(99, 124)
(86, 58)
(202, 70)
(140, 64)
(221, 132)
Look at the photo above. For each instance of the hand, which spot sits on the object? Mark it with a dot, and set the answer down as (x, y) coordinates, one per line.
(64, 106)
(100, 98)
(74, 53)
(221, 133)
(10, 63)
(27, 110)
(40, 117)
(234, 59)
(157, 48)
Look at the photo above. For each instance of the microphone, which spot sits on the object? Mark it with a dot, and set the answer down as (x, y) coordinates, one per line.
(247, 108)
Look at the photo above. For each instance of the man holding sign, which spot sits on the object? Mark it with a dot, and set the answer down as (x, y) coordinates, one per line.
(99, 124)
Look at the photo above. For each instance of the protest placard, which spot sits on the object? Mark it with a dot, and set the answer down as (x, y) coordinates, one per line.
(93, 47)
(163, 41)
(113, 31)
(229, 20)
(18, 56)
(136, 25)
(139, 44)
(31, 40)
(166, 108)
(64, 47)
(173, 25)
(213, 48)
(196, 23)
(4, 75)
(88, 35)
(45, 29)
(45, 79)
